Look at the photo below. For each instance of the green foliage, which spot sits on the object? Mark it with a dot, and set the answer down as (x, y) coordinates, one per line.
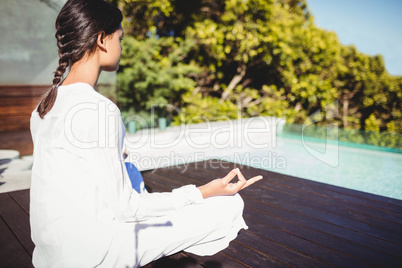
(140, 16)
(368, 92)
(153, 72)
(217, 59)
(212, 109)
(260, 45)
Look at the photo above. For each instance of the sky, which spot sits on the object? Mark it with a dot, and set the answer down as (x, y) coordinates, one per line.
(373, 26)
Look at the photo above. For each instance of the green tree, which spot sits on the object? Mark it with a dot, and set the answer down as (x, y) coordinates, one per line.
(257, 50)
(251, 58)
(370, 98)
(154, 72)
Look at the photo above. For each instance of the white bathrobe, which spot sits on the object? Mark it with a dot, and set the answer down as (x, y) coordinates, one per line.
(84, 212)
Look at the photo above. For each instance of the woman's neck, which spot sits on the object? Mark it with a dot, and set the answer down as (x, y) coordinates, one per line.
(84, 71)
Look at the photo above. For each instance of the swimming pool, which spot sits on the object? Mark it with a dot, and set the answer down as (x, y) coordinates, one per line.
(373, 171)
(353, 160)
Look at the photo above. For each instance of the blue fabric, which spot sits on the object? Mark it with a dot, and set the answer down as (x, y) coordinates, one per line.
(135, 177)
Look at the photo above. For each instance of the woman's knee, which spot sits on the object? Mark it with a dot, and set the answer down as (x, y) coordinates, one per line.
(230, 207)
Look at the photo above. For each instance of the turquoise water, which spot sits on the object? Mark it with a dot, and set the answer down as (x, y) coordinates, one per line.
(373, 171)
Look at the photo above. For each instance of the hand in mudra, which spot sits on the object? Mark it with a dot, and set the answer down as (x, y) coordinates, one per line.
(224, 186)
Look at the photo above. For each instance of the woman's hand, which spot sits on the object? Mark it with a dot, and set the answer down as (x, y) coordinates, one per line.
(224, 186)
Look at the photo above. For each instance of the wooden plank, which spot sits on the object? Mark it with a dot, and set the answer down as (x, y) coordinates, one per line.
(176, 260)
(22, 90)
(362, 208)
(22, 198)
(158, 182)
(177, 179)
(283, 253)
(17, 220)
(319, 245)
(200, 176)
(334, 211)
(18, 110)
(12, 127)
(382, 250)
(313, 229)
(14, 123)
(12, 253)
(250, 257)
(17, 140)
(17, 101)
(299, 205)
(326, 255)
(387, 229)
(218, 260)
(185, 259)
(18, 117)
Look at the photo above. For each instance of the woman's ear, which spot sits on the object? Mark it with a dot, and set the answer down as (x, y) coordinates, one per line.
(101, 41)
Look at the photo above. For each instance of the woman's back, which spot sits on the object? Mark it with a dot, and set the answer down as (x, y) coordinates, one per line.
(66, 204)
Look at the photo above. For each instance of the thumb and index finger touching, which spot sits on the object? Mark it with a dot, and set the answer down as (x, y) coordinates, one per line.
(242, 183)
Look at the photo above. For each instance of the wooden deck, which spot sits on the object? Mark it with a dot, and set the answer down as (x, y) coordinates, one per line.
(292, 223)
(16, 104)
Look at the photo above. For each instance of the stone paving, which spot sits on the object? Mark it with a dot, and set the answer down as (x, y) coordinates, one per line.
(15, 171)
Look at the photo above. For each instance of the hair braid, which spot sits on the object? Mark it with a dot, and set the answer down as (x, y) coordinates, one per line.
(77, 27)
(49, 97)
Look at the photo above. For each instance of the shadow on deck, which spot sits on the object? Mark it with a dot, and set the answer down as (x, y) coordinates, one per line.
(292, 222)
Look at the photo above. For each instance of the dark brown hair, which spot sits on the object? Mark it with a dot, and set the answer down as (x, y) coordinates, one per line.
(77, 27)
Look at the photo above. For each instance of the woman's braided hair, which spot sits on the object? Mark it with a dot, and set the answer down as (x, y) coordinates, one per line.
(77, 27)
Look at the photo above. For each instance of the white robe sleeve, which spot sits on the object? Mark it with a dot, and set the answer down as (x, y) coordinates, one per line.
(103, 128)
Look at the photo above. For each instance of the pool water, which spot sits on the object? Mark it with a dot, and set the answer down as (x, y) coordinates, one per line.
(372, 171)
